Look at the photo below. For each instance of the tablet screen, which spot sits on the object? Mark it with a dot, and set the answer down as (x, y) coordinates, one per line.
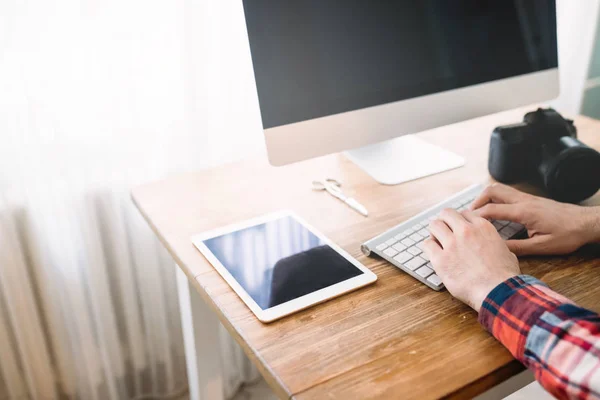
(280, 260)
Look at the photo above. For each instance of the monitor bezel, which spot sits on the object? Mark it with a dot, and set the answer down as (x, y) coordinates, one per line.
(353, 129)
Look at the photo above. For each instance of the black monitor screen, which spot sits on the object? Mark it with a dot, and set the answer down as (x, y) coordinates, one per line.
(314, 58)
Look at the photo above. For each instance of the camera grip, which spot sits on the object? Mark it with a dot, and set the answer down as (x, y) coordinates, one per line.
(509, 160)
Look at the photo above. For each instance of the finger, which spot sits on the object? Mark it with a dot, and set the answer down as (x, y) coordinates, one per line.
(496, 193)
(440, 232)
(453, 219)
(507, 212)
(432, 248)
(469, 216)
(435, 240)
(536, 245)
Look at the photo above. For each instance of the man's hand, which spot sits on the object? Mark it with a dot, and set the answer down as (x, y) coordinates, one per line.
(469, 256)
(553, 227)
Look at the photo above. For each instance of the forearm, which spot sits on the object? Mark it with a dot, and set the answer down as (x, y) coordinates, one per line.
(549, 334)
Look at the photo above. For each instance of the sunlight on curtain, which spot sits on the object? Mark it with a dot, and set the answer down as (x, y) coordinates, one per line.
(95, 97)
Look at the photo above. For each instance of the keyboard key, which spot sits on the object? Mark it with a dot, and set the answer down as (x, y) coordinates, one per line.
(469, 199)
(408, 242)
(416, 237)
(420, 245)
(516, 226)
(424, 271)
(415, 251)
(399, 247)
(417, 227)
(390, 241)
(424, 232)
(504, 223)
(390, 252)
(400, 236)
(509, 230)
(415, 263)
(497, 225)
(435, 280)
(382, 247)
(408, 232)
(504, 235)
(403, 257)
(424, 256)
(430, 266)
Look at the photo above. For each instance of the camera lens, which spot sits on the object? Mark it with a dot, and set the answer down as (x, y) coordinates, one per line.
(570, 170)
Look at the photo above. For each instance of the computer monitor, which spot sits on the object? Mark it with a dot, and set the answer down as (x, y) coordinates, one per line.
(334, 75)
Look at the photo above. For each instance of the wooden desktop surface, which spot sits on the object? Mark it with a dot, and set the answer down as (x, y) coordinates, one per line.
(394, 339)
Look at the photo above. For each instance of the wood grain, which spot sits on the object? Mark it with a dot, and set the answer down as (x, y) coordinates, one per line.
(394, 339)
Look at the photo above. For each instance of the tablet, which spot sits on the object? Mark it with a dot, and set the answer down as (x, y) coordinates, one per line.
(278, 264)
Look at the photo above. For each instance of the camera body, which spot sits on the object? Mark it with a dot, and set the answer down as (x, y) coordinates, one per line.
(544, 149)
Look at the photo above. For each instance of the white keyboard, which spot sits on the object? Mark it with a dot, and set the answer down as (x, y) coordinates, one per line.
(402, 245)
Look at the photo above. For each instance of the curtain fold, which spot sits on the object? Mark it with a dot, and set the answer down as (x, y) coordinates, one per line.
(96, 97)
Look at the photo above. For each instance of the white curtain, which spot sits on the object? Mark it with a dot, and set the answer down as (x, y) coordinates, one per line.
(97, 96)
(577, 22)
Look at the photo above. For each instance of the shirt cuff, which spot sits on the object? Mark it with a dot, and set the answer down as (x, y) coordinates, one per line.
(513, 307)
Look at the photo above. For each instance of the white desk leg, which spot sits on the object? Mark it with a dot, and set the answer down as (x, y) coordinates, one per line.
(201, 341)
(512, 389)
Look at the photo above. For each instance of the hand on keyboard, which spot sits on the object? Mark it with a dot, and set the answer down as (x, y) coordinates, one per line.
(402, 245)
(469, 255)
(553, 227)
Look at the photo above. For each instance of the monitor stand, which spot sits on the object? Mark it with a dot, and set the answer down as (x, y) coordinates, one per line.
(403, 159)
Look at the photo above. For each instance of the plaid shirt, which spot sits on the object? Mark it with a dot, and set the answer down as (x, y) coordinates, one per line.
(549, 334)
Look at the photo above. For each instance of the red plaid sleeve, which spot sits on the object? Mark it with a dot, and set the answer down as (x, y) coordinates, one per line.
(558, 340)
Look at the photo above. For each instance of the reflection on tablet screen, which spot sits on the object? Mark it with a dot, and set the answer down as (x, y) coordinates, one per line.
(280, 260)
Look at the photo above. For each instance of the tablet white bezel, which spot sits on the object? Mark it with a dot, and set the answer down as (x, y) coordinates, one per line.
(300, 303)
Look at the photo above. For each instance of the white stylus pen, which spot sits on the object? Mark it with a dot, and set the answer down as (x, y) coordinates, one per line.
(356, 206)
(333, 188)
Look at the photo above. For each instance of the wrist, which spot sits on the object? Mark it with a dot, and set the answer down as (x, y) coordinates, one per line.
(483, 291)
(591, 225)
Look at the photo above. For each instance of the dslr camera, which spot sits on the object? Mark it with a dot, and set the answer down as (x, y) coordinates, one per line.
(544, 150)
